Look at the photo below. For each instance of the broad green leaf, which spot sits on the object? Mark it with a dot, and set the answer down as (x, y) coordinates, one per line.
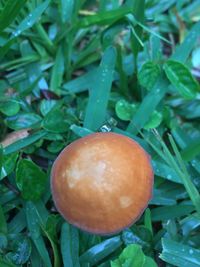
(133, 256)
(23, 120)
(30, 179)
(179, 254)
(56, 121)
(55, 146)
(125, 110)
(149, 262)
(10, 12)
(154, 120)
(10, 108)
(8, 164)
(47, 105)
(99, 93)
(149, 74)
(180, 76)
(69, 245)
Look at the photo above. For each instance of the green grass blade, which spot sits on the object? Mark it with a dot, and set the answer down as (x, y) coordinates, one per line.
(148, 105)
(18, 223)
(57, 71)
(66, 9)
(183, 51)
(134, 137)
(191, 151)
(104, 18)
(33, 224)
(24, 142)
(69, 245)
(163, 170)
(10, 12)
(31, 19)
(3, 224)
(101, 251)
(179, 254)
(189, 186)
(170, 212)
(138, 8)
(148, 221)
(82, 83)
(99, 93)
(80, 131)
(6, 263)
(1, 159)
(180, 169)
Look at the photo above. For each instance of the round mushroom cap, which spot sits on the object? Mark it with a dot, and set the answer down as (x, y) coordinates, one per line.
(102, 183)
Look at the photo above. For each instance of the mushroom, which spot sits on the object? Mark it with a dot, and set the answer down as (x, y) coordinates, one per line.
(102, 183)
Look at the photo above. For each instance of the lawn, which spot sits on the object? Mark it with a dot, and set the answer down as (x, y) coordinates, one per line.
(69, 68)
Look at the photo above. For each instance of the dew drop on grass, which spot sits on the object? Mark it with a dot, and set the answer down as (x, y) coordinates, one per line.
(193, 163)
(15, 34)
(191, 251)
(169, 176)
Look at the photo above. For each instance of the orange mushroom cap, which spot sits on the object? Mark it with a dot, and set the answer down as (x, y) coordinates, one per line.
(102, 183)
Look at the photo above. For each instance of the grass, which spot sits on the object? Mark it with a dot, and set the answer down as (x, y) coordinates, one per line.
(70, 68)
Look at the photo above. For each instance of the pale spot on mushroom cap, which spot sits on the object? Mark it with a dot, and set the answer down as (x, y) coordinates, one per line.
(125, 201)
(94, 172)
(73, 175)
